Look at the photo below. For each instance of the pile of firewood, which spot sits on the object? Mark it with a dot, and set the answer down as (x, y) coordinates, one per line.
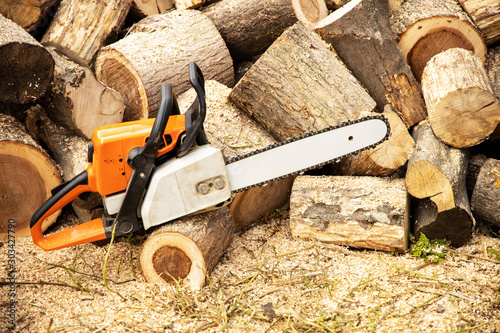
(275, 69)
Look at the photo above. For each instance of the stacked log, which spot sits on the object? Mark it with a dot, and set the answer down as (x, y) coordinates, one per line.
(28, 14)
(486, 15)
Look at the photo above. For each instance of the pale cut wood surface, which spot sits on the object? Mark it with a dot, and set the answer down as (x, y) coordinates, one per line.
(366, 212)
(310, 12)
(486, 15)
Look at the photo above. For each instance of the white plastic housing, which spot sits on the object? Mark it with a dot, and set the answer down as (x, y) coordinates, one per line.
(186, 185)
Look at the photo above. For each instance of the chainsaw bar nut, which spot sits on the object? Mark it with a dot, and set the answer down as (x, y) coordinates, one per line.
(219, 183)
(202, 188)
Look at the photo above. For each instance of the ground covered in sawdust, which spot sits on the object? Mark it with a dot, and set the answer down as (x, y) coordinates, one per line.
(266, 282)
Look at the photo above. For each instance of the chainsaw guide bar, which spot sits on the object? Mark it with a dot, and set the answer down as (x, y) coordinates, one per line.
(252, 168)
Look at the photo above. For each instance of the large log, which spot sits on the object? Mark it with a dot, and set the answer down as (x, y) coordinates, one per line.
(486, 15)
(78, 101)
(245, 25)
(80, 28)
(383, 159)
(463, 110)
(361, 35)
(486, 194)
(300, 85)
(158, 49)
(26, 67)
(365, 212)
(436, 175)
(187, 249)
(29, 14)
(235, 133)
(27, 174)
(427, 27)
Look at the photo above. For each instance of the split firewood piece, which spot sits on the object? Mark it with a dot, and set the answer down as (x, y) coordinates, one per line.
(367, 212)
(29, 14)
(80, 28)
(384, 158)
(427, 27)
(26, 67)
(300, 85)
(436, 175)
(236, 134)
(463, 110)
(310, 12)
(142, 8)
(486, 15)
(27, 174)
(190, 4)
(158, 49)
(361, 35)
(71, 153)
(241, 24)
(486, 194)
(78, 101)
(187, 248)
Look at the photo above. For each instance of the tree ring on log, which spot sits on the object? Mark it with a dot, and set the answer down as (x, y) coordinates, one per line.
(166, 256)
(116, 72)
(310, 12)
(430, 36)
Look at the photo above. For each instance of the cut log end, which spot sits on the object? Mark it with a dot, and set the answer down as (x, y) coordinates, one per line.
(310, 12)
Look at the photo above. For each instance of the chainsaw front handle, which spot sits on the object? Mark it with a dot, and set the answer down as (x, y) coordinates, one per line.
(61, 196)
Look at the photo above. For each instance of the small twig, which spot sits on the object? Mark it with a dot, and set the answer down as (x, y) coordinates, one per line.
(473, 256)
(295, 251)
(250, 142)
(470, 328)
(2, 283)
(106, 264)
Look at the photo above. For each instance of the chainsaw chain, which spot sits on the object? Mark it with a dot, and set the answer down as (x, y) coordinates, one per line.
(306, 135)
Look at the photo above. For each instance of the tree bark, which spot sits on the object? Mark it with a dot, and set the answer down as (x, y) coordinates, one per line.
(383, 159)
(80, 28)
(158, 49)
(486, 194)
(78, 101)
(27, 174)
(299, 85)
(366, 212)
(249, 27)
(235, 133)
(436, 175)
(26, 67)
(426, 28)
(29, 14)
(187, 249)
(463, 110)
(486, 15)
(361, 35)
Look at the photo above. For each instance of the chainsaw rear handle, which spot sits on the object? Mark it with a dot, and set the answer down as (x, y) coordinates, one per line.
(62, 195)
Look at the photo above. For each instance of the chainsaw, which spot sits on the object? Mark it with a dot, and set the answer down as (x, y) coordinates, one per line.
(149, 172)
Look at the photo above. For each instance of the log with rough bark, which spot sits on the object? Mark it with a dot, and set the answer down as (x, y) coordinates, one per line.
(246, 27)
(476, 162)
(367, 212)
(235, 133)
(486, 15)
(78, 101)
(493, 69)
(27, 174)
(80, 28)
(158, 49)
(426, 28)
(187, 249)
(70, 152)
(26, 67)
(383, 159)
(486, 194)
(29, 14)
(300, 85)
(436, 175)
(310, 12)
(463, 110)
(361, 35)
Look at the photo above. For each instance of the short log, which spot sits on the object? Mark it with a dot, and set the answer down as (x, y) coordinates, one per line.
(436, 175)
(187, 249)
(361, 35)
(463, 110)
(300, 85)
(27, 174)
(142, 8)
(310, 12)
(80, 28)
(26, 67)
(366, 212)
(158, 49)
(28, 14)
(486, 15)
(425, 28)
(486, 194)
